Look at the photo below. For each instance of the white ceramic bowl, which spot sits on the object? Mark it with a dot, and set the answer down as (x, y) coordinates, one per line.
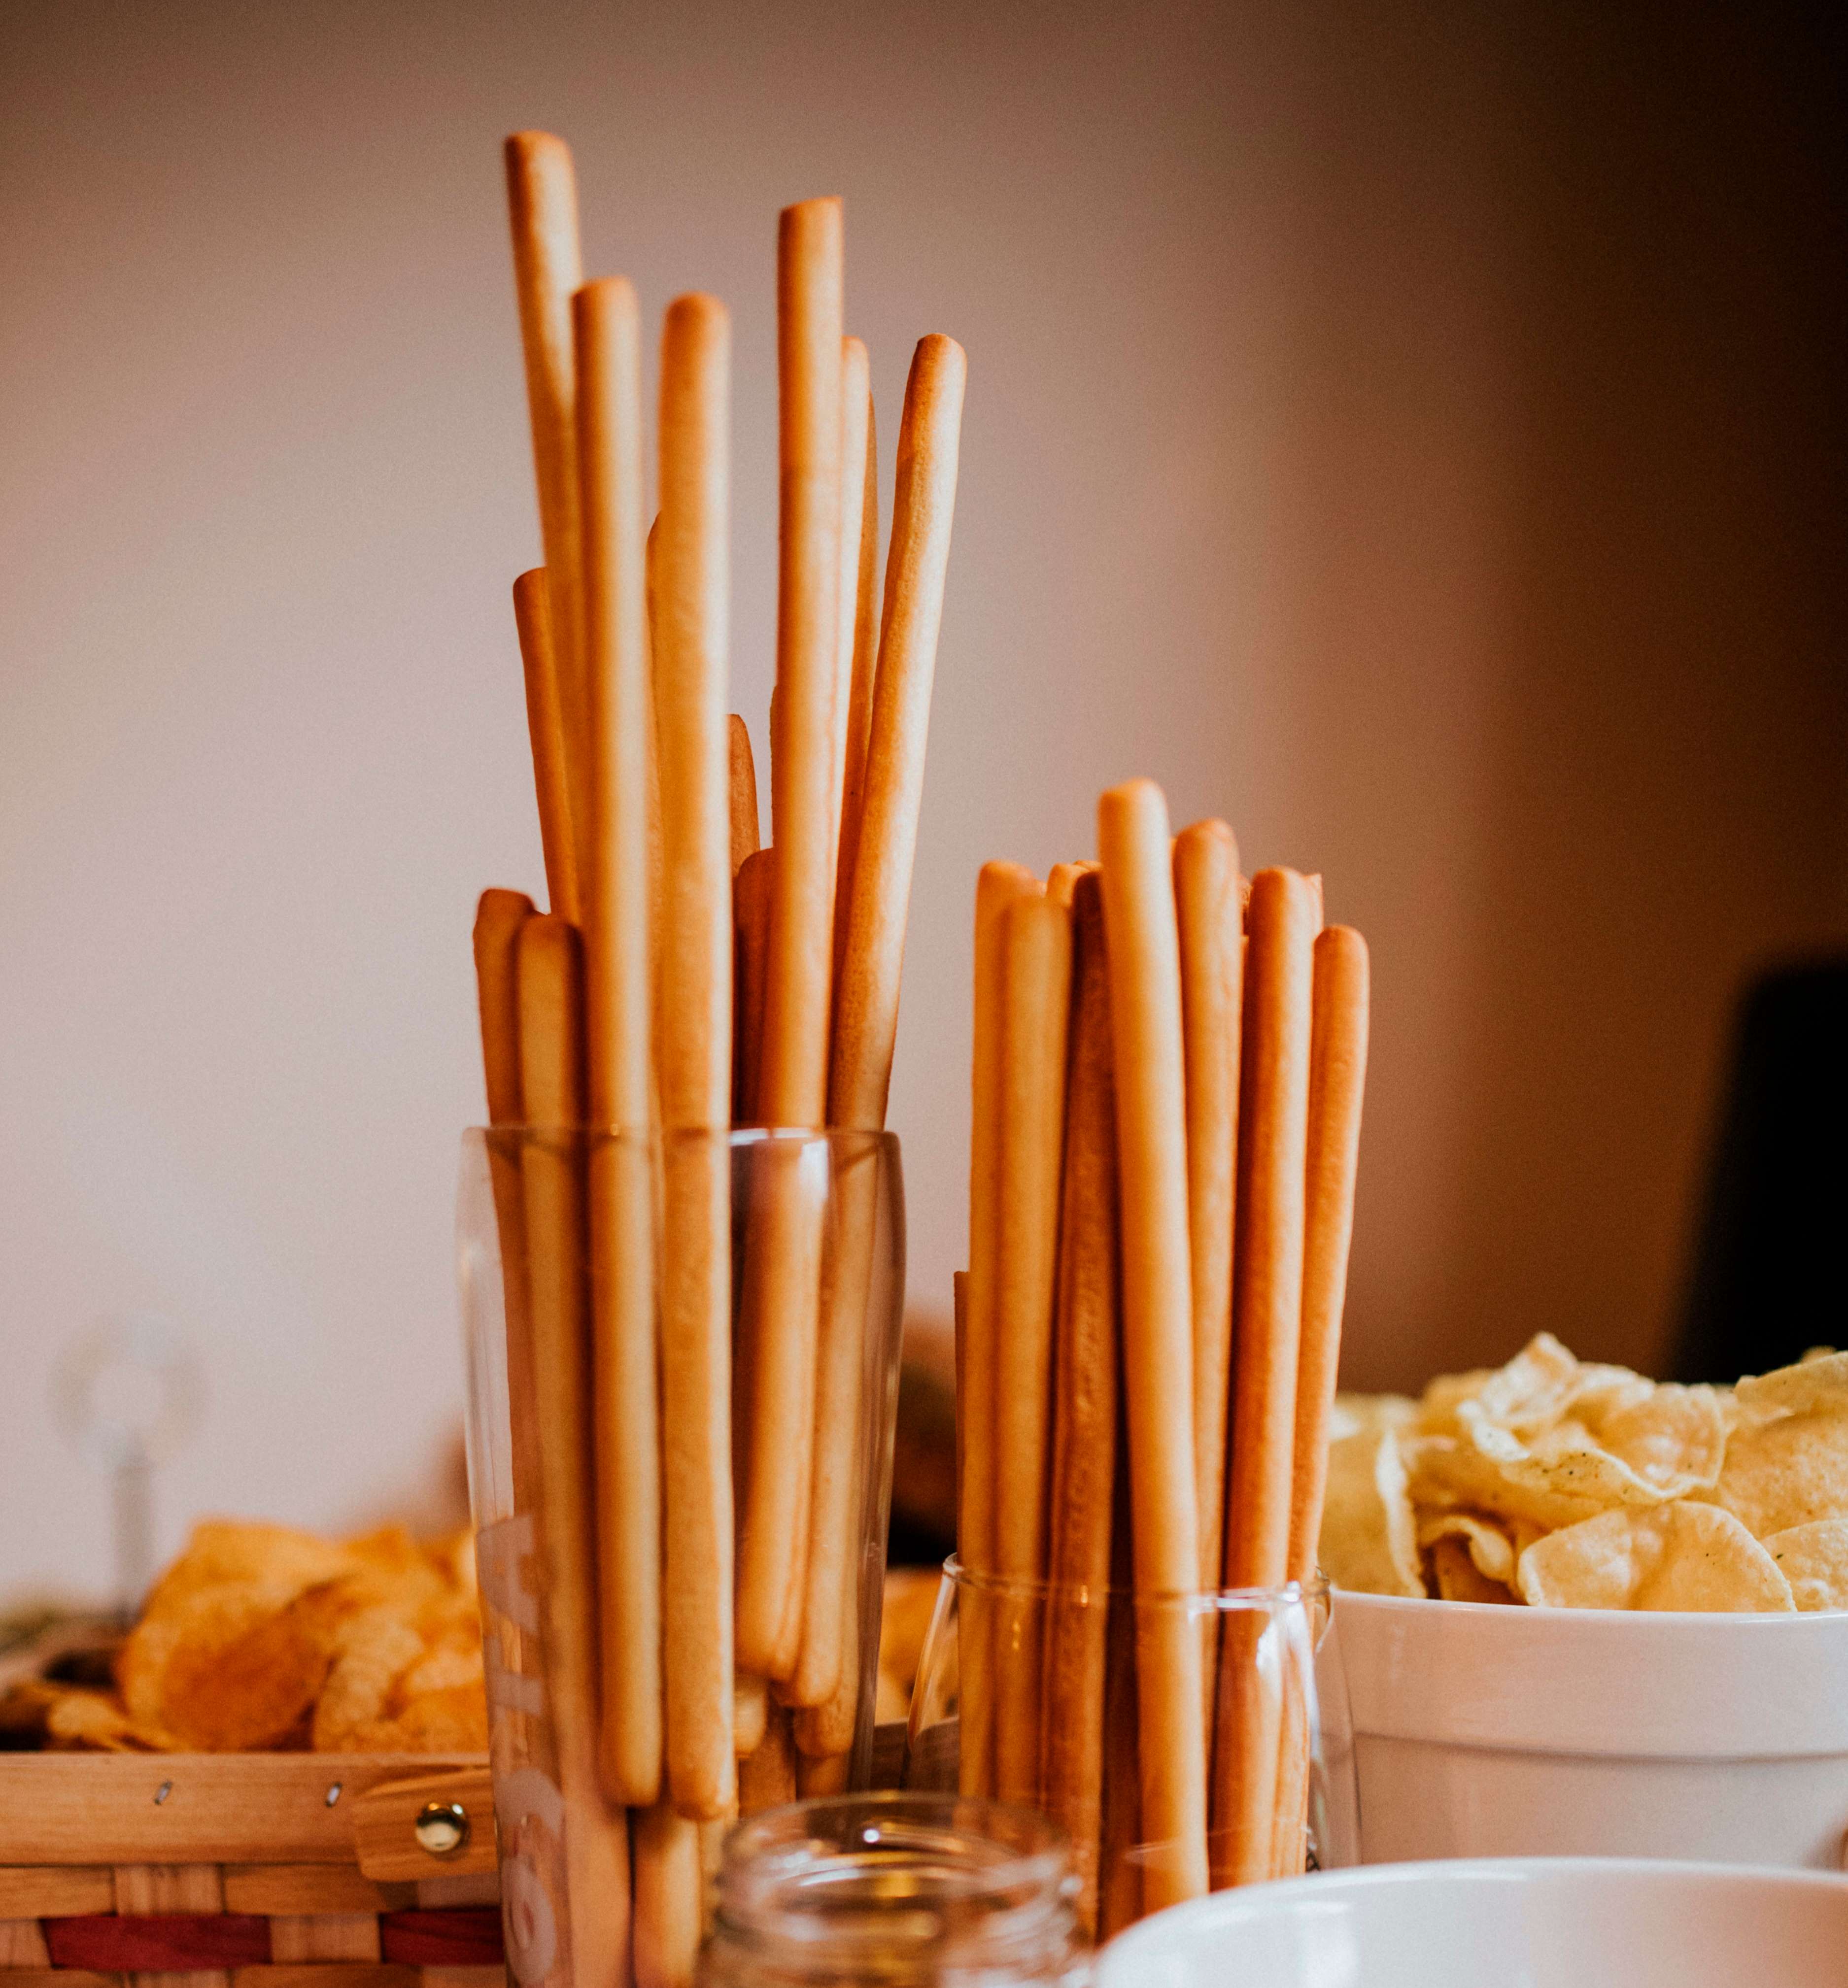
(1509, 1731)
(1528, 1922)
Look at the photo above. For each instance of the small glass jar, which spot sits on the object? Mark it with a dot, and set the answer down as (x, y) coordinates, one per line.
(904, 1891)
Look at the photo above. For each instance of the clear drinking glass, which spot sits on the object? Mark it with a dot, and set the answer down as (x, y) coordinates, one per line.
(909, 1890)
(810, 1269)
(1027, 1692)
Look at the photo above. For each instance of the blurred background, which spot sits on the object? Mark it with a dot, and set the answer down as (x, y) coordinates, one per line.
(1414, 432)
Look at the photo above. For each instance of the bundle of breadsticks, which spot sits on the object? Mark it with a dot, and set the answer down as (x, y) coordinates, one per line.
(1168, 1069)
(699, 1642)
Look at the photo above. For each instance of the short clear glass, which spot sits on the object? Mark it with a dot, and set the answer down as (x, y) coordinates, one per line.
(1028, 1692)
(909, 1890)
(790, 1457)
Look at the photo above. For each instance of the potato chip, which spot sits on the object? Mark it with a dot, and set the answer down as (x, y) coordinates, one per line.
(446, 1668)
(892, 1701)
(1674, 1438)
(1564, 1479)
(1813, 1558)
(254, 1690)
(1598, 1391)
(1369, 1542)
(454, 1720)
(1618, 1448)
(1455, 1576)
(1818, 1381)
(1529, 1392)
(1789, 1470)
(1497, 1460)
(457, 1555)
(189, 1629)
(374, 1649)
(243, 1553)
(1540, 1385)
(254, 1624)
(908, 1604)
(1490, 1546)
(1683, 1555)
(82, 1720)
(1355, 1412)
(1437, 1410)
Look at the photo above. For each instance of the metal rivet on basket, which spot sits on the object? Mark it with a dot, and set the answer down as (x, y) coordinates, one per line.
(333, 1793)
(442, 1827)
(162, 1792)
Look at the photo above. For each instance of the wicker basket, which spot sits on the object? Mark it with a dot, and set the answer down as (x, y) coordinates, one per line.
(248, 1871)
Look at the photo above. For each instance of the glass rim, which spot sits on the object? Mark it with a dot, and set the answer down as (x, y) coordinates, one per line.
(849, 1136)
(1032, 1853)
(1083, 1594)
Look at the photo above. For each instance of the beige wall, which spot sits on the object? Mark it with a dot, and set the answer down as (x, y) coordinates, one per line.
(1418, 441)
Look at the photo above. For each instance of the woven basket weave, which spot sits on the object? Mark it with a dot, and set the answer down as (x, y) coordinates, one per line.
(246, 1870)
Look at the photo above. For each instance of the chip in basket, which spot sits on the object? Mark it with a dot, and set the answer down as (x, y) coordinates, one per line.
(258, 1638)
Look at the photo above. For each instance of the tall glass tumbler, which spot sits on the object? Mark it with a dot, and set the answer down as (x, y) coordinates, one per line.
(580, 1436)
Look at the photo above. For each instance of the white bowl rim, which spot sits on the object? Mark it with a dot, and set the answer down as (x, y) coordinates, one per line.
(1612, 1682)
(1224, 1909)
(1528, 1612)
(1669, 1685)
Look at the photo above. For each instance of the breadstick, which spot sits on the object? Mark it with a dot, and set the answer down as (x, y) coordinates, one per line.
(1061, 880)
(1337, 1057)
(826, 1731)
(860, 688)
(782, 1250)
(832, 1527)
(999, 885)
(766, 1777)
(743, 767)
(1036, 999)
(872, 960)
(1267, 1286)
(498, 920)
(668, 1890)
(1338, 1069)
(856, 395)
(808, 327)
(551, 1085)
(1268, 1264)
(870, 965)
(690, 664)
(617, 977)
(786, 1652)
(750, 910)
(958, 1311)
(923, 510)
(781, 1291)
(542, 206)
(750, 1702)
(750, 913)
(545, 726)
(1158, 1353)
(820, 1773)
(1119, 1877)
(1085, 1411)
(1206, 905)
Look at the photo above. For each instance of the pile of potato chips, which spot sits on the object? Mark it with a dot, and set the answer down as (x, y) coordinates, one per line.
(1566, 1484)
(258, 1638)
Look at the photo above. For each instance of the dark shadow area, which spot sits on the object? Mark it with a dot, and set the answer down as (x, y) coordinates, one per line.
(1769, 1277)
